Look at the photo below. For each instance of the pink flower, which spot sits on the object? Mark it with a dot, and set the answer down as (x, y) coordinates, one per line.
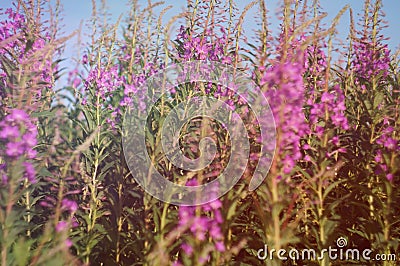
(61, 226)
(30, 172)
(9, 132)
(69, 205)
(215, 232)
(378, 156)
(215, 204)
(203, 260)
(390, 144)
(68, 243)
(84, 59)
(76, 82)
(15, 149)
(188, 249)
(220, 246)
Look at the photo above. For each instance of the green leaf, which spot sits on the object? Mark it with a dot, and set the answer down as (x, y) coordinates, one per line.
(21, 251)
(379, 97)
(331, 186)
(47, 114)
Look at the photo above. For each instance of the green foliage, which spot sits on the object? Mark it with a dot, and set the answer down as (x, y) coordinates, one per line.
(348, 189)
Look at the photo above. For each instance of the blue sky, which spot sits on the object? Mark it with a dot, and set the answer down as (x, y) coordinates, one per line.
(77, 11)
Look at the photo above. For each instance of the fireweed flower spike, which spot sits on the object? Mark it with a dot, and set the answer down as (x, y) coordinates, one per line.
(30, 52)
(370, 59)
(18, 138)
(203, 227)
(284, 89)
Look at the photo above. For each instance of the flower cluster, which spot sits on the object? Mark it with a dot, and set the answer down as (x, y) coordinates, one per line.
(8, 29)
(207, 46)
(370, 59)
(71, 207)
(42, 66)
(8, 40)
(200, 46)
(316, 62)
(103, 83)
(202, 227)
(387, 144)
(30, 52)
(284, 90)
(17, 140)
(133, 88)
(323, 102)
(330, 104)
(109, 83)
(105, 80)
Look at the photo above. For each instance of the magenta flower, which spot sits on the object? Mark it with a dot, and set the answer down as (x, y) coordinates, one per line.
(17, 115)
(370, 59)
(284, 90)
(30, 172)
(3, 175)
(76, 82)
(203, 227)
(30, 139)
(220, 246)
(68, 243)
(4, 179)
(203, 260)
(188, 249)
(390, 143)
(69, 205)
(61, 226)
(215, 231)
(84, 59)
(378, 156)
(9, 132)
(14, 149)
(18, 133)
